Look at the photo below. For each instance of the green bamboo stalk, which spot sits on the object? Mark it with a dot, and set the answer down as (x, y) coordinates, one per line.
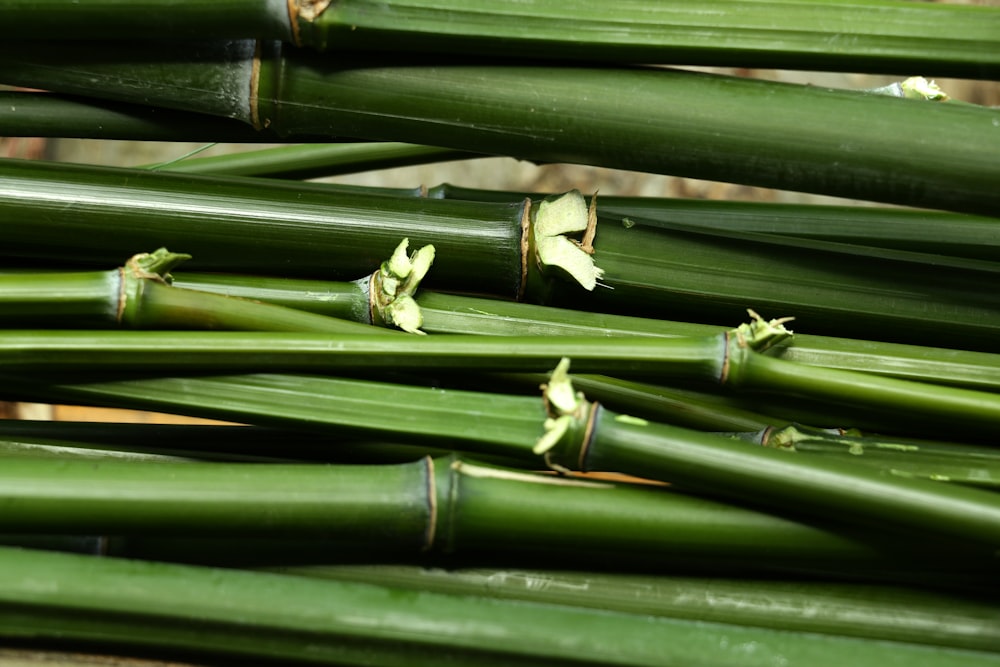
(246, 225)
(885, 36)
(313, 161)
(458, 314)
(933, 232)
(138, 295)
(945, 462)
(871, 611)
(241, 224)
(519, 427)
(734, 359)
(147, 19)
(252, 614)
(748, 131)
(445, 506)
(833, 489)
(30, 114)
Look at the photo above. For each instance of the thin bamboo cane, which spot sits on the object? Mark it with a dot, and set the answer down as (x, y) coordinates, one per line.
(312, 161)
(138, 295)
(574, 436)
(728, 129)
(933, 232)
(30, 114)
(458, 314)
(873, 611)
(885, 36)
(729, 360)
(245, 225)
(252, 614)
(946, 462)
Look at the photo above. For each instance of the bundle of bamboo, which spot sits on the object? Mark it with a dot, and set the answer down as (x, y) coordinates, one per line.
(413, 476)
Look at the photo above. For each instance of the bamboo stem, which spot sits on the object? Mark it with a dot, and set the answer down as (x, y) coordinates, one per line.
(747, 131)
(446, 506)
(253, 614)
(314, 161)
(872, 611)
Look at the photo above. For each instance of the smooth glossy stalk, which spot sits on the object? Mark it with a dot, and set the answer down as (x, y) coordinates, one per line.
(885, 36)
(670, 360)
(932, 232)
(252, 226)
(53, 212)
(445, 505)
(30, 114)
(314, 161)
(938, 461)
(872, 611)
(727, 129)
(138, 296)
(251, 614)
(458, 314)
(794, 485)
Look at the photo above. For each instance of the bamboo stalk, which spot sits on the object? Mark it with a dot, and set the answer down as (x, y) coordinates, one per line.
(239, 224)
(933, 232)
(872, 611)
(885, 36)
(313, 161)
(747, 131)
(458, 314)
(734, 360)
(252, 614)
(945, 462)
(247, 226)
(574, 435)
(138, 295)
(446, 506)
(31, 114)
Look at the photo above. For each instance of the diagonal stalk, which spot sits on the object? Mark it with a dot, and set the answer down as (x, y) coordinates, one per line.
(312, 161)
